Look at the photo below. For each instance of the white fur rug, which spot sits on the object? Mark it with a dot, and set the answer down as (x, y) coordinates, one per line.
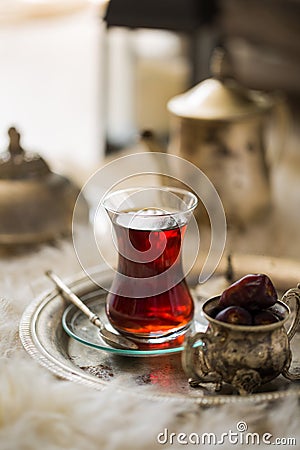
(38, 411)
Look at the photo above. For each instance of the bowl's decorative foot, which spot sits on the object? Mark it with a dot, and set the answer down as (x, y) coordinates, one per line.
(246, 381)
(209, 378)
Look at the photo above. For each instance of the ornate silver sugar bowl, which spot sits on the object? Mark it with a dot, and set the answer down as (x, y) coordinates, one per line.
(243, 356)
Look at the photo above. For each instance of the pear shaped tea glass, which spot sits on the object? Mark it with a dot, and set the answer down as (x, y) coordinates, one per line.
(149, 300)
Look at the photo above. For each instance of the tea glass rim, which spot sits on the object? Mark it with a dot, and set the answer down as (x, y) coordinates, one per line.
(159, 188)
(251, 328)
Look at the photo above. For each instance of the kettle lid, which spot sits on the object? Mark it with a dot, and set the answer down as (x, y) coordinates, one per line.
(213, 99)
(219, 97)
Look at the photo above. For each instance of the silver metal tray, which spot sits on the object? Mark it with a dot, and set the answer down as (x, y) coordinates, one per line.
(44, 338)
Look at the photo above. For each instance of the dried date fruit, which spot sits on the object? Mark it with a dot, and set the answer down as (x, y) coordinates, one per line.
(252, 292)
(235, 315)
(265, 318)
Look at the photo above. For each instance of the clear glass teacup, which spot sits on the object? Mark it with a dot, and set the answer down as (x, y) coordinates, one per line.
(149, 300)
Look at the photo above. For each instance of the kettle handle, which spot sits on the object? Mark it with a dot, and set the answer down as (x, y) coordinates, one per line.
(278, 131)
(292, 295)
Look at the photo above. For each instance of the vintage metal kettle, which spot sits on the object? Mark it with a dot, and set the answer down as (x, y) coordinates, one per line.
(221, 128)
(36, 205)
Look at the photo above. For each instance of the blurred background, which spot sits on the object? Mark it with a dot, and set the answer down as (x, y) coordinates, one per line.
(82, 79)
(50, 53)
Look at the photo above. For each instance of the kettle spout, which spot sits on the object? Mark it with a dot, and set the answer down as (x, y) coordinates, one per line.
(148, 138)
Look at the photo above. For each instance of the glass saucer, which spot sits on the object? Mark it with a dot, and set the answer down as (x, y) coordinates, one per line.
(78, 326)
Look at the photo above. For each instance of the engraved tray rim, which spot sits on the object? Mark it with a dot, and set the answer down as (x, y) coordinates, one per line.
(64, 368)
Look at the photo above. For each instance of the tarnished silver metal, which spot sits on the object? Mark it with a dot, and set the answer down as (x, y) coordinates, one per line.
(224, 129)
(292, 296)
(245, 357)
(43, 337)
(36, 204)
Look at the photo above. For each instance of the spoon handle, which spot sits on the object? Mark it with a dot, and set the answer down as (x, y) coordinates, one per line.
(74, 299)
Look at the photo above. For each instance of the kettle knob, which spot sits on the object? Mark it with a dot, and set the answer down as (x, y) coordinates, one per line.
(220, 64)
(14, 146)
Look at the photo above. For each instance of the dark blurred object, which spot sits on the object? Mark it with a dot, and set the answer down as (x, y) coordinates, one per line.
(262, 37)
(178, 15)
(190, 20)
(263, 40)
(36, 205)
(186, 16)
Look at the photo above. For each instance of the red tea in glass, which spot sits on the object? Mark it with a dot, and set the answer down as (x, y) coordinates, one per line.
(149, 297)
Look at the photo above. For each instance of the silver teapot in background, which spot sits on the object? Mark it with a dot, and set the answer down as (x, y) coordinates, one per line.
(36, 204)
(222, 127)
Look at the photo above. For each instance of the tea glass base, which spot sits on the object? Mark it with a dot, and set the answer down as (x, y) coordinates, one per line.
(172, 338)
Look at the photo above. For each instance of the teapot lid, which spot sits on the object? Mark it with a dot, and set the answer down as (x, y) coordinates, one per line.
(219, 97)
(213, 99)
(15, 163)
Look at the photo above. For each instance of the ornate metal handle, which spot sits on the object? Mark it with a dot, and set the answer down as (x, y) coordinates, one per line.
(194, 360)
(292, 295)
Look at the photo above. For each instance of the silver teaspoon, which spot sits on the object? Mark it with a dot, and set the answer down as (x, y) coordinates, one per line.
(113, 339)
